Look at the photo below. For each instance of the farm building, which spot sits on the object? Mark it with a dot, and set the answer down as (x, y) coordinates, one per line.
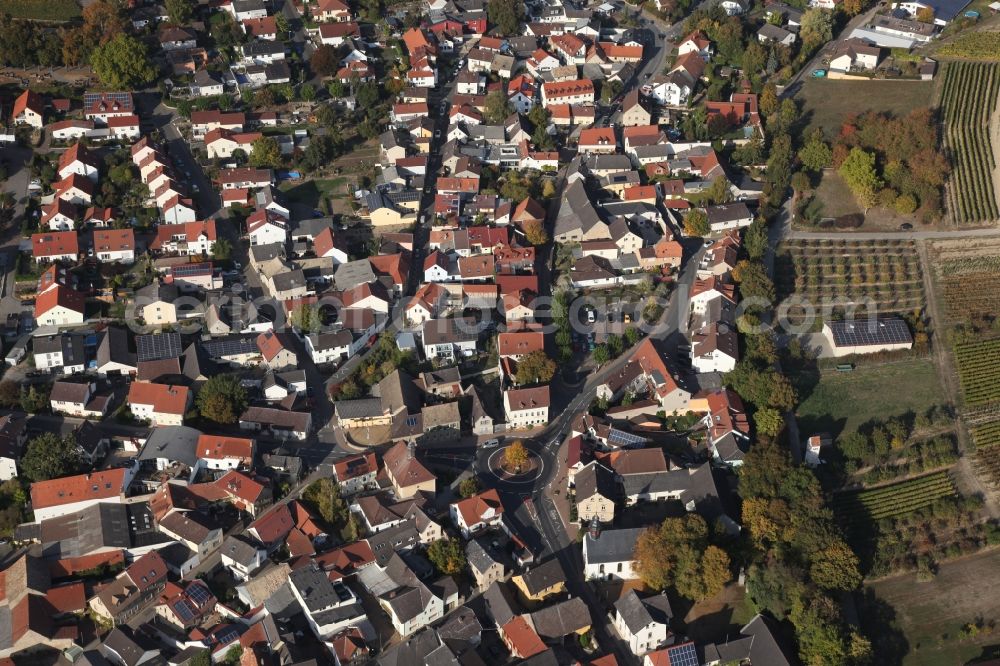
(867, 336)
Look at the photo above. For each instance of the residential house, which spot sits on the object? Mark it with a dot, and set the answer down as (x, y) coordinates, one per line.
(55, 246)
(60, 306)
(477, 513)
(160, 404)
(111, 245)
(595, 493)
(486, 566)
(132, 590)
(541, 581)
(526, 407)
(644, 624)
(29, 109)
(407, 474)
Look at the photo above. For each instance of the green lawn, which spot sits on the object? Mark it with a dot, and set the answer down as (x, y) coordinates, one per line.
(930, 615)
(825, 102)
(41, 10)
(313, 193)
(837, 402)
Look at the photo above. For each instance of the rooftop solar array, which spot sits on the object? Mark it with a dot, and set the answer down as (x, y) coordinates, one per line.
(120, 97)
(625, 439)
(199, 594)
(683, 655)
(159, 346)
(184, 610)
(191, 269)
(863, 332)
(230, 346)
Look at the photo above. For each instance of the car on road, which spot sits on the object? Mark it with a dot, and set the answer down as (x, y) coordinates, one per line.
(437, 134)
(317, 213)
(591, 316)
(491, 443)
(709, 242)
(906, 226)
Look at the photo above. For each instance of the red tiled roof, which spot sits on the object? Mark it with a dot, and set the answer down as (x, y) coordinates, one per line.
(472, 508)
(165, 398)
(28, 100)
(273, 525)
(515, 344)
(79, 488)
(113, 240)
(241, 486)
(59, 296)
(218, 447)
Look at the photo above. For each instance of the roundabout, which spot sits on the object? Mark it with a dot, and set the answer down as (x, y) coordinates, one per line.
(531, 473)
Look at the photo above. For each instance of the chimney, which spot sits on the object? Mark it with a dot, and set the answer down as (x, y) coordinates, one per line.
(411, 450)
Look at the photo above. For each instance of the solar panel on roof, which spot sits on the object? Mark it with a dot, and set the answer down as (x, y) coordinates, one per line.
(625, 439)
(158, 347)
(120, 97)
(199, 594)
(683, 655)
(863, 332)
(223, 347)
(184, 611)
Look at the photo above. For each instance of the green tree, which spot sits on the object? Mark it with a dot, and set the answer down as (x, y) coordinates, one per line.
(123, 63)
(265, 152)
(535, 368)
(307, 318)
(179, 11)
(858, 171)
(718, 192)
(222, 399)
(282, 25)
(222, 250)
(601, 354)
(498, 107)
(307, 92)
(447, 555)
(769, 421)
(35, 398)
(755, 239)
(754, 57)
(367, 95)
(336, 89)
(816, 154)
(469, 487)
(696, 223)
(816, 27)
(534, 233)
(50, 456)
(324, 496)
(506, 15)
(632, 335)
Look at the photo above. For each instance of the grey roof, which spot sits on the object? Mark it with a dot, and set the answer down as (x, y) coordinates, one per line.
(611, 545)
(240, 549)
(69, 344)
(334, 340)
(500, 603)
(177, 443)
(638, 613)
(69, 391)
(543, 576)
(441, 331)
(479, 556)
(562, 619)
(262, 253)
(128, 646)
(728, 212)
(311, 227)
(280, 418)
(97, 527)
(602, 162)
(316, 589)
(357, 409)
(413, 651)
(397, 391)
(770, 31)
(353, 273)
(386, 542)
(263, 47)
(577, 211)
(230, 345)
(460, 629)
(760, 645)
(595, 479)
(113, 347)
(861, 332)
(289, 280)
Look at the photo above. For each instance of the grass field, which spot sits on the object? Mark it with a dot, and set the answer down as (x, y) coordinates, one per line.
(932, 614)
(313, 194)
(827, 102)
(842, 401)
(837, 198)
(41, 10)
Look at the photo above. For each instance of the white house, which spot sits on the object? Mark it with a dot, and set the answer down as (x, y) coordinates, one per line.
(265, 227)
(70, 494)
(526, 407)
(160, 404)
(477, 513)
(329, 347)
(642, 623)
(729, 216)
(609, 554)
(714, 348)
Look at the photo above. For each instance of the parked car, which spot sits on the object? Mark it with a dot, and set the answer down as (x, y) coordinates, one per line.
(818, 73)
(491, 443)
